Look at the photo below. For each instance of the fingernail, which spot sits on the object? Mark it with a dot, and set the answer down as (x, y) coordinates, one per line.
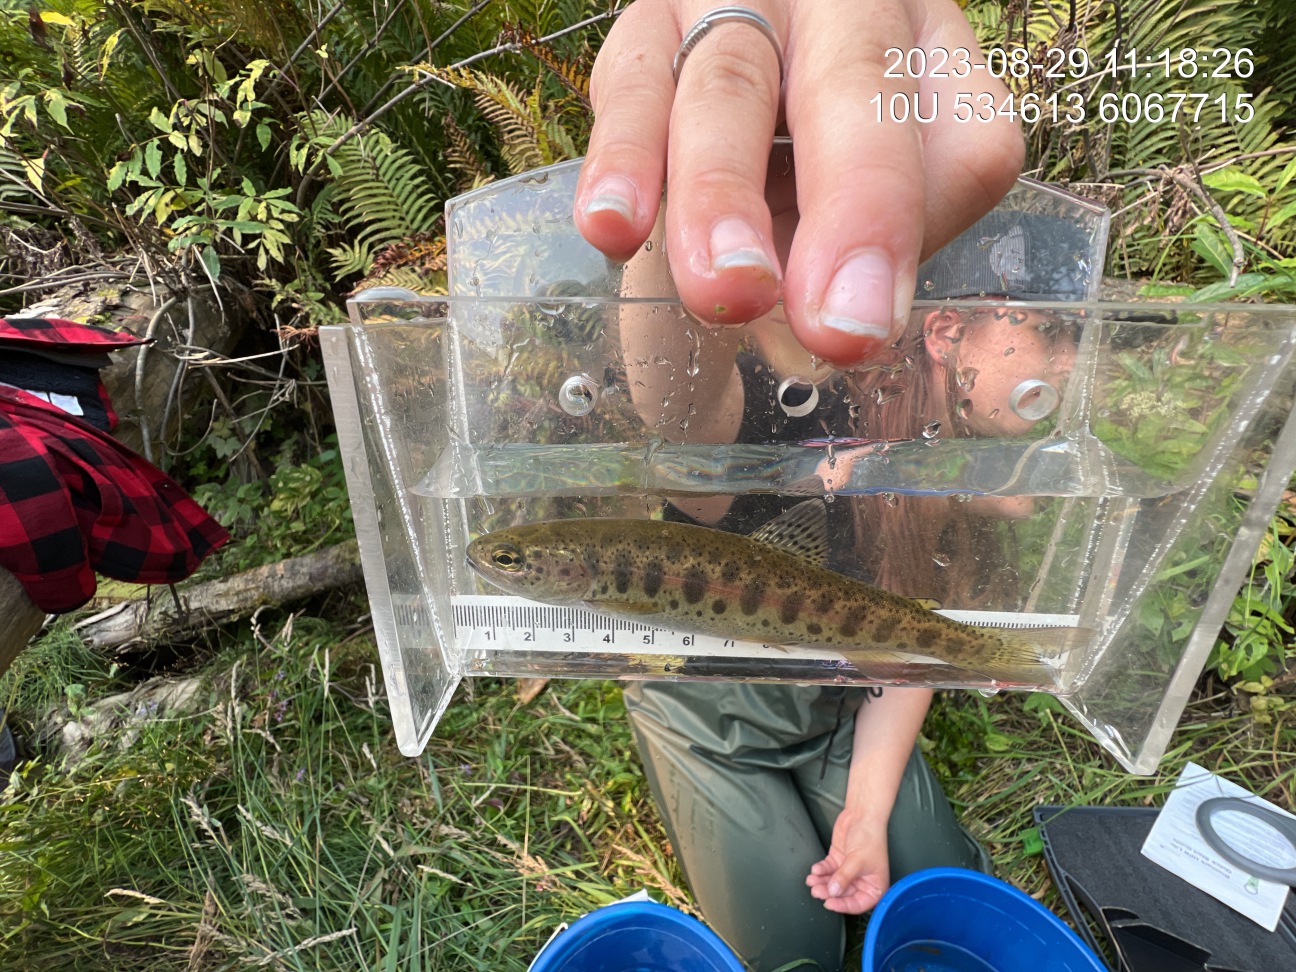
(615, 194)
(834, 889)
(735, 244)
(861, 299)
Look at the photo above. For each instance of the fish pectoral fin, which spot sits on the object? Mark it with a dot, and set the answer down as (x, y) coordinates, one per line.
(621, 607)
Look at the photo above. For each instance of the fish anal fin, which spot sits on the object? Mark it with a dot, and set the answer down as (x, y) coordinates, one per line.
(622, 607)
(802, 532)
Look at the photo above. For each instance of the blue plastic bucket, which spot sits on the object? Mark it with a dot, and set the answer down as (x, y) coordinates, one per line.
(948, 919)
(636, 936)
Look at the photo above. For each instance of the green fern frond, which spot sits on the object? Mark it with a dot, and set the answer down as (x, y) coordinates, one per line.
(514, 118)
(461, 154)
(419, 281)
(349, 258)
(381, 192)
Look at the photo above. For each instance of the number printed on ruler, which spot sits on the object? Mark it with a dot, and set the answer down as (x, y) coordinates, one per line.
(508, 623)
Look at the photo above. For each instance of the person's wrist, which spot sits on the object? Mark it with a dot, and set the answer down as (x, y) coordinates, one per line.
(867, 810)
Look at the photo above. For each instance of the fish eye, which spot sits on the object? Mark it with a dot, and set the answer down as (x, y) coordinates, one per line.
(507, 557)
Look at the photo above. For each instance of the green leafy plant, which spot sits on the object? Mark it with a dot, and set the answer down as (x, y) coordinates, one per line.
(1163, 405)
(178, 184)
(1258, 630)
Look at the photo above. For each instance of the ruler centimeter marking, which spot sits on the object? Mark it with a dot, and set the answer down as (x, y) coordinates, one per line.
(510, 623)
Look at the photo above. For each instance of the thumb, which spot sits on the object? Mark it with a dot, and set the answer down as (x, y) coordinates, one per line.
(852, 866)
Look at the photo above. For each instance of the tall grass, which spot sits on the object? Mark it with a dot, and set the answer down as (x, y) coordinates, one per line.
(277, 827)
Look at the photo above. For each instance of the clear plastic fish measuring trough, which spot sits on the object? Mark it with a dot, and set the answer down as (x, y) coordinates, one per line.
(1121, 489)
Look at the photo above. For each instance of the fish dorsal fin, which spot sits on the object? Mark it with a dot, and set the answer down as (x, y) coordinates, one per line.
(802, 532)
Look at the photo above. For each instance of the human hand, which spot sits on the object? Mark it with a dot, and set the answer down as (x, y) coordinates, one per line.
(855, 874)
(874, 195)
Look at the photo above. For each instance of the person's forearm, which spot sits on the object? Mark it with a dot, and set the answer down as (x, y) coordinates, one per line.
(886, 729)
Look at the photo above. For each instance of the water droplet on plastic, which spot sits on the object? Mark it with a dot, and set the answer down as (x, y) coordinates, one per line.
(993, 413)
(966, 378)
(929, 285)
(964, 408)
(940, 560)
(1008, 351)
(648, 245)
(887, 393)
(988, 693)
(931, 430)
(890, 499)
(578, 395)
(963, 497)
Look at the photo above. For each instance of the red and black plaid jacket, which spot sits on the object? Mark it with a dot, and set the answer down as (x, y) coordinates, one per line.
(73, 500)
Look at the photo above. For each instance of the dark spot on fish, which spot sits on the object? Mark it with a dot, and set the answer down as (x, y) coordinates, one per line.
(603, 588)
(694, 587)
(565, 572)
(814, 628)
(674, 553)
(654, 573)
(883, 630)
(621, 572)
(730, 572)
(751, 597)
(718, 606)
(926, 638)
(789, 610)
(902, 646)
(674, 603)
(849, 626)
(764, 622)
(824, 604)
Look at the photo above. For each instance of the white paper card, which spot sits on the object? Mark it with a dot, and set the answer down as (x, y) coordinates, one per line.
(1177, 845)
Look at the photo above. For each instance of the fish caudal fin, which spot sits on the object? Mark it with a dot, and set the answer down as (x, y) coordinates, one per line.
(1023, 656)
(1028, 655)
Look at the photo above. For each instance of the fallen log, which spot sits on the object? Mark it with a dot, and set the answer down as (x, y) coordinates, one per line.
(162, 617)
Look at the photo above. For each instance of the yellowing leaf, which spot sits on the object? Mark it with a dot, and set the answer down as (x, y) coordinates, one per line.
(35, 169)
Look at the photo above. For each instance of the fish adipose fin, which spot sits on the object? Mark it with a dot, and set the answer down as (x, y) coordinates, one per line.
(802, 532)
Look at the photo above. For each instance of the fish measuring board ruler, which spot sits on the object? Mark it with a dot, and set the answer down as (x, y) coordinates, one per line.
(506, 622)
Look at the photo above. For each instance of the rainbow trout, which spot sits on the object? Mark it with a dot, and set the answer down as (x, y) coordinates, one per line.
(771, 586)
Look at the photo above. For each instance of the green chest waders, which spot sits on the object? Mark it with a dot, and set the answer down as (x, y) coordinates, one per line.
(749, 802)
